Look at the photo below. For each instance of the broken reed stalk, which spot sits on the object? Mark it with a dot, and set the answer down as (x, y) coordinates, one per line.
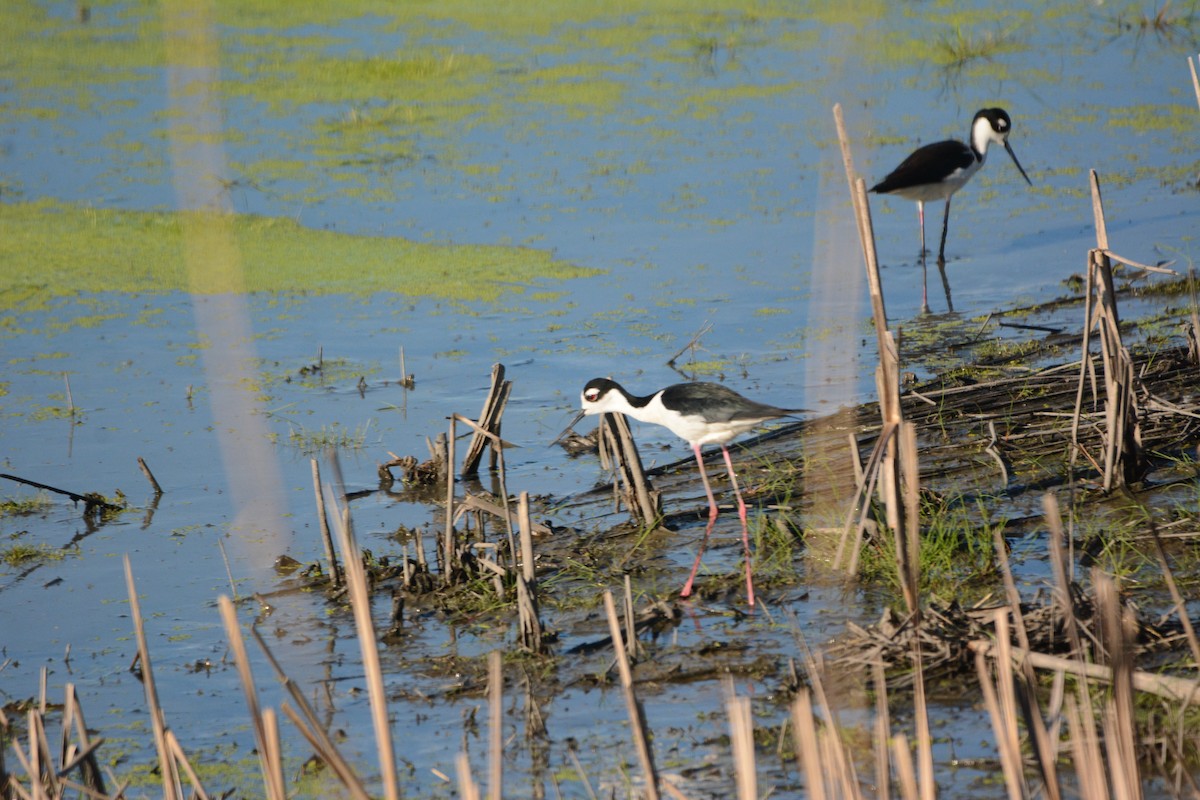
(1195, 79)
(1118, 628)
(360, 603)
(883, 725)
(928, 782)
(311, 728)
(906, 777)
(498, 445)
(1044, 749)
(89, 767)
(467, 788)
(1123, 459)
(1169, 687)
(632, 706)
(70, 399)
(1176, 596)
(172, 790)
(888, 373)
(489, 420)
(449, 547)
(266, 736)
(149, 476)
(741, 737)
(182, 759)
(642, 500)
(527, 597)
(495, 724)
(335, 569)
(1003, 726)
(631, 640)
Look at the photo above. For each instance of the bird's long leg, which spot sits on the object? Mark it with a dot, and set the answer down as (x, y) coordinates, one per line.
(745, 527)
(945, 227)
(712, 518)
(924, 282)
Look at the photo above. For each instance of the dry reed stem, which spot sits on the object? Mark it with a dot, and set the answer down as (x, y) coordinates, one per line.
(632, 706)
(272, 771)
(505, 512)
(360, 602)
(905, 776)
(741, 736)
(883, 727)
(170, 776)
(181, 757)
(908, 539)
(311, 728)
(808, 744)
(1010, 762)
(1195, 79)
(489, 421)
(529, 618)
(335, 569)
(1181, 690)
(644, 503)
(631, 640)
(1118, 628)
(1089, 766)
(495, 724)
(466, 784)
(149, 476)
(1043, 747)
(449, 546)
(1176, 596)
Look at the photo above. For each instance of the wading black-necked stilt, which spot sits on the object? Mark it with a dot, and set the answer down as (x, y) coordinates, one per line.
(936, 171)
(700, 414)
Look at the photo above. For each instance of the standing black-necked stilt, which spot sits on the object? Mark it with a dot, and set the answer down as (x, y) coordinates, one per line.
(936, 171)
(700, 414)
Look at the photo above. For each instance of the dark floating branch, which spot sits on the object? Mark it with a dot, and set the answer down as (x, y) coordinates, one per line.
(92, 501)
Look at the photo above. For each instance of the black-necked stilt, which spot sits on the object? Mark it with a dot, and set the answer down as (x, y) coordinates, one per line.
(700, 414)
(936, 171)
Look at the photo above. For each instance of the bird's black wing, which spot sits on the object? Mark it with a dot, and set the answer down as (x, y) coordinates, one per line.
(926, 165)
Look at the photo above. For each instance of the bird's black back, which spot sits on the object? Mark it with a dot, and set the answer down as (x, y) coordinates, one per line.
(926, 165)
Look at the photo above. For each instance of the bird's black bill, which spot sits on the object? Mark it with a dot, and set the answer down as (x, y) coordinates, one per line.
(1008, 147)
(568, 429)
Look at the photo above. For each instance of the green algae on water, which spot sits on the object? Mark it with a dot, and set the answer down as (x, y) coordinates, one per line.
(53, 250)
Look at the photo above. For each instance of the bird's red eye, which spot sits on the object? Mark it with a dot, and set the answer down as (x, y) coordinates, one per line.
(592, 395)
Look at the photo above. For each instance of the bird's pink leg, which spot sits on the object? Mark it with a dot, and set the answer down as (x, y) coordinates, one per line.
(745, 526)
(924, 282)
(712, 518)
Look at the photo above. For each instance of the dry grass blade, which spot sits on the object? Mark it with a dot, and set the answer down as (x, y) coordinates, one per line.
(170, 777)
(272, 770)
(632, 706)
